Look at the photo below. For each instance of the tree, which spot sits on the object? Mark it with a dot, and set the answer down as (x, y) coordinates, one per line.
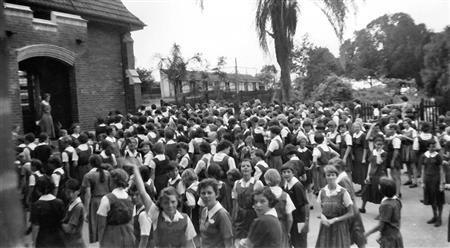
(218, 70)
(321, 63)
(336, 12)
(175, 67)
(281, 17)
(390, 46)
(435, 74)
(267, 75)
(333, 89)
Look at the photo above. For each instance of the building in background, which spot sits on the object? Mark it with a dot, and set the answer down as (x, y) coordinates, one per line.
(79, 51)
(198, 82)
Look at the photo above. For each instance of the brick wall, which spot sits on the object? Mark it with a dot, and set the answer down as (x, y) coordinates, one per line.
(97, 84)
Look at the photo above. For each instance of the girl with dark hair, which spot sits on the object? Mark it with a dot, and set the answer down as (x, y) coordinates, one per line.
(433, 178)
(275, 148)
(394, 162)
(107, 155)
(215, 222)
(74, 217)
(223, 159)
(84, 152)
(115, 214)
(95, 184)
(390, 215)
(345, 142)
(46, 216)
(408, 135)
(265, 231)
(214, 171)
(377, 169)
(203, 163)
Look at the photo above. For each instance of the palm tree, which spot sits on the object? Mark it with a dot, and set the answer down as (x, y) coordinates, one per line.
(175, 67)
(281, 15)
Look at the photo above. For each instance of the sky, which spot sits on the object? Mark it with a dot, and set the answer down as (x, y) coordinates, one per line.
(227, 28)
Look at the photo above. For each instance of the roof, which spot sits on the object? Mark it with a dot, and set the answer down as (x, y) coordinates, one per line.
(211, 76)
(109, 10)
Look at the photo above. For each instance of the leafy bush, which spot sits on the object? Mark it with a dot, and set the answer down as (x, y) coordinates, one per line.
(333, 89)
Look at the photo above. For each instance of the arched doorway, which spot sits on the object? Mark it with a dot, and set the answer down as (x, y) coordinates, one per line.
(42, 74)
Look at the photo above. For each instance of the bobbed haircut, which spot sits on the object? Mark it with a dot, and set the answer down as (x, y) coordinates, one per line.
(331, 169)
(214, 170)
(209, 182)
(45, 185)
(119, 177)
(272, 177)
(189, 175)
(73, 184)
(268, 194)
(387, 187)
(165, 194)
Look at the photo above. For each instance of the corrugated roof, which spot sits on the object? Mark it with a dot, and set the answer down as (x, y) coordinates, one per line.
(110, 10)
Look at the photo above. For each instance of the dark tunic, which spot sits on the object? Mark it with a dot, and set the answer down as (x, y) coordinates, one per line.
(167, 231)
(245, 213)
(265, 231)
(119, 227)
(306, 157)
(359, 169)
(75, 217)
(338, 234)
(83, 165)
(161, 173)
(48, 216)
(371, 191)
(390, 214)
(298, 196)
(216, 230)
(432, 178)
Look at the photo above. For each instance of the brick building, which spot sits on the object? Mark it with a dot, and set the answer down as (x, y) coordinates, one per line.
(79, 51)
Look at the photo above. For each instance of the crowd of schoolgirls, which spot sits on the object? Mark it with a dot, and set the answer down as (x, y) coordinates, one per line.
(217, 176)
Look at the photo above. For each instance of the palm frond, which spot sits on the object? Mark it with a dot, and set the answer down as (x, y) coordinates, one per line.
(336, 11)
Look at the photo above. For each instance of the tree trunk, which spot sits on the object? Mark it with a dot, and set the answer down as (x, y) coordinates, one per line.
(11, 214)
(285, 78)
(176, 84)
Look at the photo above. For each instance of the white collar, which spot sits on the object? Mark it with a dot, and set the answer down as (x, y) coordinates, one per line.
(74, 203)
(272, 212)
(178, 216)
(47, 197)
(387, 198)
(246, 183)
(358, 134)
(341, 176)
(38, 173)
(263, 163)
(171, 142)
(172, 181)
(295, 158)
(213, 210)
(304, 149)
(376, 153)
(160, 157)
(290, 183)
(429, 154)
(329, 192)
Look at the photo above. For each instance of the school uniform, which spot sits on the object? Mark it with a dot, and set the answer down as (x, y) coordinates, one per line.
(344, 140)
(215, 227)
(276, 149)
(297, 193)
(202, 166)
(305, 155)
(142, 226)
(390, 214)
(70, 156)
(190, 206)
(84, 152)
(359, 169)
(177, 184)
(171, 150)
(432, 164)
(284, 207)
(225, 162)
(160, 164)
(334, 203)
(266, 231)
(75, 218)
(171, 232)
(260, 169)
(242, 193)
(323, 154)
(118, 210)
(377, 160)
(97, 189)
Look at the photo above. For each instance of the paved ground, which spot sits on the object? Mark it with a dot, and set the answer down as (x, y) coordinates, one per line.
(416, 233)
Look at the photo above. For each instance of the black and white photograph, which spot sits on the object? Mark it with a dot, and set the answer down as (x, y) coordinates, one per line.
(225, 123)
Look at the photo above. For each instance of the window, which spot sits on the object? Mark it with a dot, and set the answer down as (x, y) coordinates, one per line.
(245, 86)
(227, 86)
(42, 14)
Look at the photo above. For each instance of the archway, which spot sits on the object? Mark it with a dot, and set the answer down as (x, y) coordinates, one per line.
(39, 75)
